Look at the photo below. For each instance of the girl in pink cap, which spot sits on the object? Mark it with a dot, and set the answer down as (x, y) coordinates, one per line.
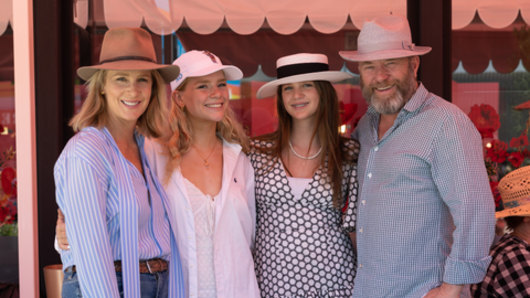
(209, 180)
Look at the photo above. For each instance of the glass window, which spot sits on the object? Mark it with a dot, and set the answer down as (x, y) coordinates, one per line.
(8, 186)
(491, 83)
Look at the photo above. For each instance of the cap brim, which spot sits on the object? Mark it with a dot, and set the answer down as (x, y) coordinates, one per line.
(231, 73)
(269, 89)
(168, 72)
(355, 56)
(523, 210)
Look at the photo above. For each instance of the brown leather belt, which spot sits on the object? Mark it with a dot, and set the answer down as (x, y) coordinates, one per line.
(148, 266)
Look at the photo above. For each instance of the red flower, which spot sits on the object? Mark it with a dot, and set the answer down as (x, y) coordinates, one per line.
(4, 213)
(521, 141)
(498, 151)
(8, 180)
(516, 159)
(486, 119)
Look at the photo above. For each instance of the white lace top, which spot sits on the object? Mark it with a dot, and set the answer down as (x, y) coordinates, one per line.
(203, 207)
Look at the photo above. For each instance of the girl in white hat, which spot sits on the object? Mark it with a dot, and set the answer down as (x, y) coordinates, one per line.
(116, 211)
(305, 174)
(209, 180)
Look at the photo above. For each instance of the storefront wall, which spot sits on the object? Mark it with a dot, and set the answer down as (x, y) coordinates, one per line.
(46, 95)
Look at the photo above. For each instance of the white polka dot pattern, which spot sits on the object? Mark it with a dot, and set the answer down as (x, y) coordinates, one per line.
(302, 247)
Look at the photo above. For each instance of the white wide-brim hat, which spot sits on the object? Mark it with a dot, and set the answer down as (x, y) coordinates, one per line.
(385, 37)
(515, 193)
(300, 68)
(202, 63)
(128, 49)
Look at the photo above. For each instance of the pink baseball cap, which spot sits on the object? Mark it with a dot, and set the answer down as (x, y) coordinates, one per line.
(201, 63)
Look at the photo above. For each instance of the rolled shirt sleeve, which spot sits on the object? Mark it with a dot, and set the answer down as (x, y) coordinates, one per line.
(460, 175)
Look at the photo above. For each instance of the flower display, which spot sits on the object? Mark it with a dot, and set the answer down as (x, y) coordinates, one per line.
(486, 119)
(8, 191)
(500, 158)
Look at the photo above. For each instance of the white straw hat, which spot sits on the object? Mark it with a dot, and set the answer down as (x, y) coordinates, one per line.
(128, 49)
(515, 193)
(300, 68)
(201, 63)
(385, 37)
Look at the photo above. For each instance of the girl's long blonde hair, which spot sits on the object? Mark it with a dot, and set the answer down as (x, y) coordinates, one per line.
(180, 132)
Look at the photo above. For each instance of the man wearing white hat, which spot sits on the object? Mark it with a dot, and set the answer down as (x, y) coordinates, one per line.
(509, 272)
(426, 214)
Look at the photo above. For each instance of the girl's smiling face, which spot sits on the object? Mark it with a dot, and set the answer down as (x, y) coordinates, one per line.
(205, 97)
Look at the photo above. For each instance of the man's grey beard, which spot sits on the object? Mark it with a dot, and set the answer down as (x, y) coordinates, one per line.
(390, 106)
(394, 104)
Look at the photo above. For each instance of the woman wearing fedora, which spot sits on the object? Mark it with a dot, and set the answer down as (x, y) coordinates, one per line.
(116, 212)
(508, 274)
(305, 173)
(209, 180)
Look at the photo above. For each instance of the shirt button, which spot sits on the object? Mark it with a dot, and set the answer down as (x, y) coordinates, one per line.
(360, 230)
(363, 202)
(376, 148)
(360, 265)
(369, 175)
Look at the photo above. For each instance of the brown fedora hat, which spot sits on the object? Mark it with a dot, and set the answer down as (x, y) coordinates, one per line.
(128, 49)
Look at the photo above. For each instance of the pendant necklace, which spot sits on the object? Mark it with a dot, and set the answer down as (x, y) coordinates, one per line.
(304, 157)
(205, 159)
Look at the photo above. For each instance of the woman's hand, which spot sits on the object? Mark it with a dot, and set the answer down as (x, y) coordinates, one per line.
(445, 291)
(60, 231)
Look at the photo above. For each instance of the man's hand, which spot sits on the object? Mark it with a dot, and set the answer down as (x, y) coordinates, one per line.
(60, 231)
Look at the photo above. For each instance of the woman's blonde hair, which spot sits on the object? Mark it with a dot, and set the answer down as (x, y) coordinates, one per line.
(93, 109)
(179, 139)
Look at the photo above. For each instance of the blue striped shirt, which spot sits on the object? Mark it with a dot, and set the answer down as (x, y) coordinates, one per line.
(425, 211)
(112, 213)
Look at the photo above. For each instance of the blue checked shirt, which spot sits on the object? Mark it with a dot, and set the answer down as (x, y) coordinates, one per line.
(112, 213)
(425, 212)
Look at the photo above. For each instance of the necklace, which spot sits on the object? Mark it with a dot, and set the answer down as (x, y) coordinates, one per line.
(304, 157)
(205, 159)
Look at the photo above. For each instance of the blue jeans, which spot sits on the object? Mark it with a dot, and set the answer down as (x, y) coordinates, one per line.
(151, 285)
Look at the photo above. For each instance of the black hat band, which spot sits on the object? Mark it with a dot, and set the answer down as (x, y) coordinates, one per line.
(300, 68)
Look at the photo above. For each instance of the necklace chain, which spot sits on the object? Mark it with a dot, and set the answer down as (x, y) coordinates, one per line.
(304, 157)
(205, 160)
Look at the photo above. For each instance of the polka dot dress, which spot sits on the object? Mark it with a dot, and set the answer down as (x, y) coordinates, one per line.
(302, 247)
